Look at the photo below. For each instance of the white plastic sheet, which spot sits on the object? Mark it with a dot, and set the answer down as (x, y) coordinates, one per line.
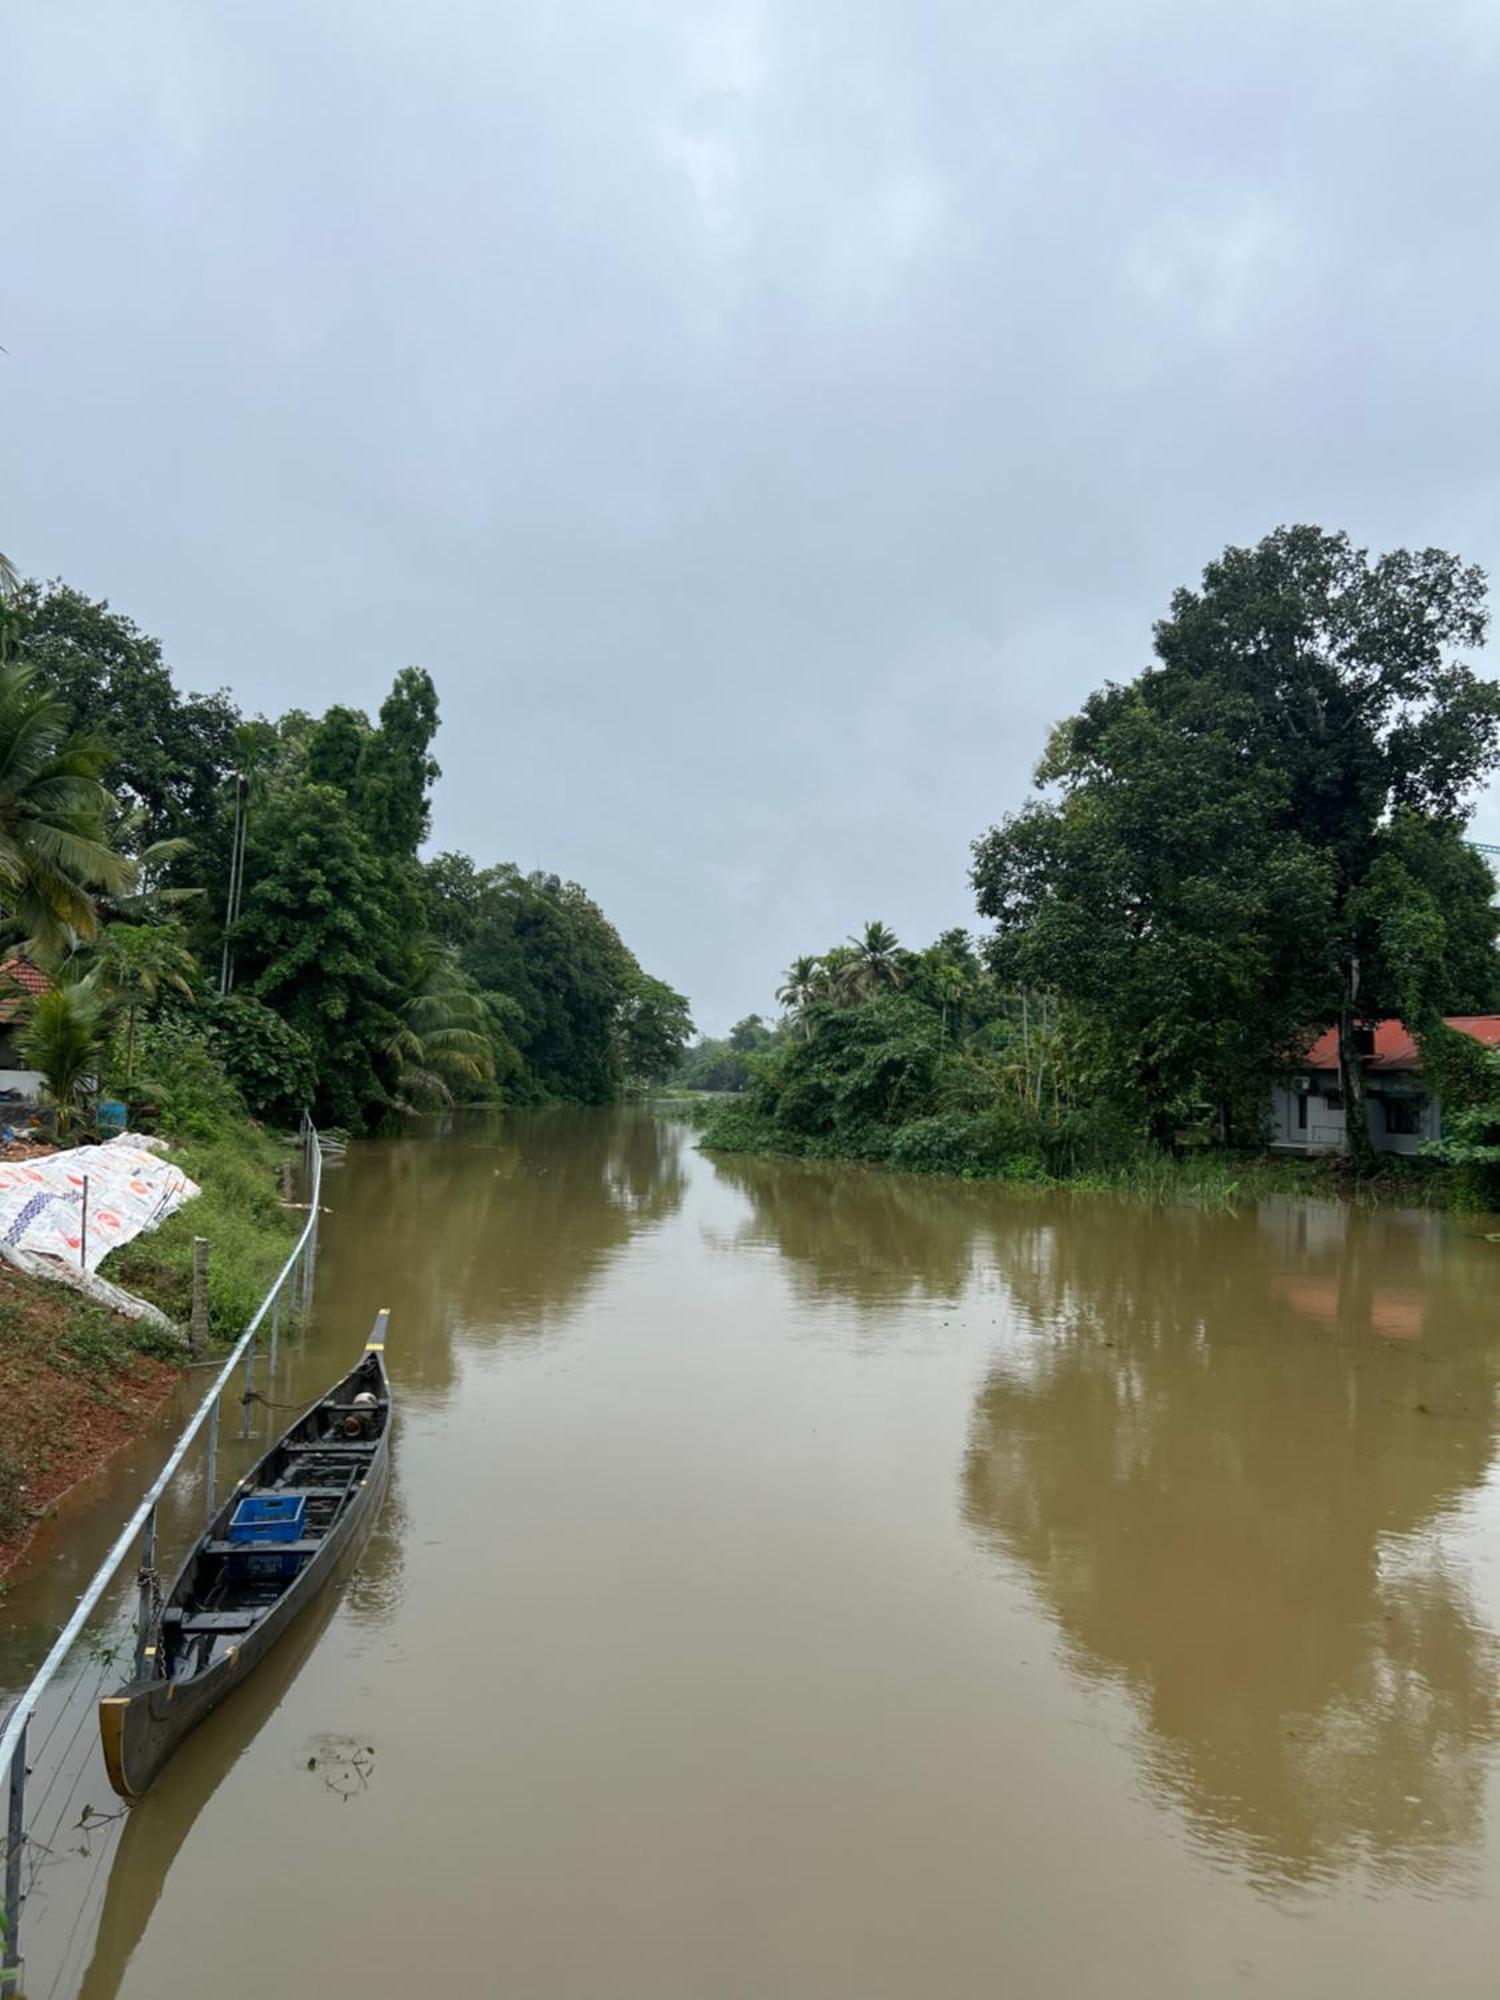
(62, 1213)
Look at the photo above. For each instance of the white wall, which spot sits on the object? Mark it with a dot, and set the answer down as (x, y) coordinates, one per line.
(1324, 1131)
(1325, 1128)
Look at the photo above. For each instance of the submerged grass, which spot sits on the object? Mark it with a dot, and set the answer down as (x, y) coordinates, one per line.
(1202, 1177)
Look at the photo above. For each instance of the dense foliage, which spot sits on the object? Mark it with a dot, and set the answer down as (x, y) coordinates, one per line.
(1259, 836)
(1262, 833)
(724, 1063)
(921, 1061)
(316, 960)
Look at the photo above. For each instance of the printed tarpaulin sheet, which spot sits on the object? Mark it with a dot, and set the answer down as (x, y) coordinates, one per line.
(43, 1214)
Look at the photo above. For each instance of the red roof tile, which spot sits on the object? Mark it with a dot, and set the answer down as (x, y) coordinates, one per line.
(1394, 1046)
(20, 981)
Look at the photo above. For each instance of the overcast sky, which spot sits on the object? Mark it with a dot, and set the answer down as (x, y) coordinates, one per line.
(763, 420)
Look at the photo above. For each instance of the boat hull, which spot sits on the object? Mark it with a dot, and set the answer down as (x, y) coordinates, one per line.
(142, 1723)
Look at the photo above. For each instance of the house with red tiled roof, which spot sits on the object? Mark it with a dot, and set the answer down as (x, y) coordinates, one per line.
(1308, 1113)
(20, 982)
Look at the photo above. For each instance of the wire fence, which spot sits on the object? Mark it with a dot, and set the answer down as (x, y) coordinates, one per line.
(56, 1840)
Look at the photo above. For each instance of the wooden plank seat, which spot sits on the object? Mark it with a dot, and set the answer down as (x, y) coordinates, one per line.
(343, 1447)
(267, 1548)
(216, 1621)
(333, 1492)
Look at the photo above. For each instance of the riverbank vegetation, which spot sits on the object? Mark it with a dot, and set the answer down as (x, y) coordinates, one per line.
(76, 1379)
(258, 882)
(217, 921)
(1259, 836)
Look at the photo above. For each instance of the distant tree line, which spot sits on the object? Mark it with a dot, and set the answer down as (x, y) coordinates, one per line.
(361, 979)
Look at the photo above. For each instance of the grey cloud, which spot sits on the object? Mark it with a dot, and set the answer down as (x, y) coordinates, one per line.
(763, 420)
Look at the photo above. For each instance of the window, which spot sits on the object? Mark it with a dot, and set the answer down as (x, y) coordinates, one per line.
(1403, 1116)
(1334, 1099)
(1302, 1111)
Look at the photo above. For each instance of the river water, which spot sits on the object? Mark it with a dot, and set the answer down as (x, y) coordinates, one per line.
(808, 1583)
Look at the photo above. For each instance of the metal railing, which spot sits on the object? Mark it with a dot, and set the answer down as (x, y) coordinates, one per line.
(292, 1291)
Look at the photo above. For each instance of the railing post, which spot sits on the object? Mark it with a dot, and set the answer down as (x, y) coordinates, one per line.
(211, 1471)
(198, 1324)
(10, 1944)
(275, 1336)
(145, 1586)
(249, 1385)
(143, 1526)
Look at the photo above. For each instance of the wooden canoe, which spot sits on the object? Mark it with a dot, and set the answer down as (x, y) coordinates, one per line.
(242, 1585)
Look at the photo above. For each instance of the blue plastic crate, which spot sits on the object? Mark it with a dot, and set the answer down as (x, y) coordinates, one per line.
(268, 1517)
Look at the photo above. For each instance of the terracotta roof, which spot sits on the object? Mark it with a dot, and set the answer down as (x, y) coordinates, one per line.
(1394, 1046)
(20, 981)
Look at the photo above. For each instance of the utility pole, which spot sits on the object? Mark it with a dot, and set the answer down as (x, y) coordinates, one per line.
(236, 880)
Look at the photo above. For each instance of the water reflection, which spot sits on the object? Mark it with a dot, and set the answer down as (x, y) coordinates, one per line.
(876, 1240)
(1240, 1460)
(1230, 1456)
(506, 1224)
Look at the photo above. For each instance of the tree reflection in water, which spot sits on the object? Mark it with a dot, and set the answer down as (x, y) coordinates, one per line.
(1238, 1459)
(499, 1231)
(1231, 1460)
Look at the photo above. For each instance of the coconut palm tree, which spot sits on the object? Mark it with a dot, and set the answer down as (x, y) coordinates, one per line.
(136, 963)
(805, 983)
(149, 899)
(53, 853)
(951, 983)
(441, 1038)
(62, 1039)
(876, 962)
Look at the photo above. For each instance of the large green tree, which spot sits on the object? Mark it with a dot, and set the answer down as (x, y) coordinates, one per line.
(1222, 864)
(397, 769)
(319, 941)
(172, 751)
(581, 1012)
(655, 1026)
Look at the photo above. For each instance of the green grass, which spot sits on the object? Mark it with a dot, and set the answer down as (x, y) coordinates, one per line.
(249, 1233)
(1204, 1177)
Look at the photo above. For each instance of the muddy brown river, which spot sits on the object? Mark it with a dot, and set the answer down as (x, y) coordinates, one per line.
(807, 1583)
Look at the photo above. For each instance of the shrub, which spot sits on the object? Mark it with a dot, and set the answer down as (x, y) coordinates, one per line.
(270, 1063)
(1471, 1140)
(180, 1071)
(248, 1231)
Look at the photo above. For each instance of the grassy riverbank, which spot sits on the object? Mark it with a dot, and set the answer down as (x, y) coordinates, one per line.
(76, 1380)
(974, 1150)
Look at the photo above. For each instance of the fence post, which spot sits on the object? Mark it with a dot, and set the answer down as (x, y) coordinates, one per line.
(146, 1587)
(10, 1944)
(211, 1473)
(83, 1229)
(275, 1337)
(198, 1325)
(249, 1385)
(143, 1523)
